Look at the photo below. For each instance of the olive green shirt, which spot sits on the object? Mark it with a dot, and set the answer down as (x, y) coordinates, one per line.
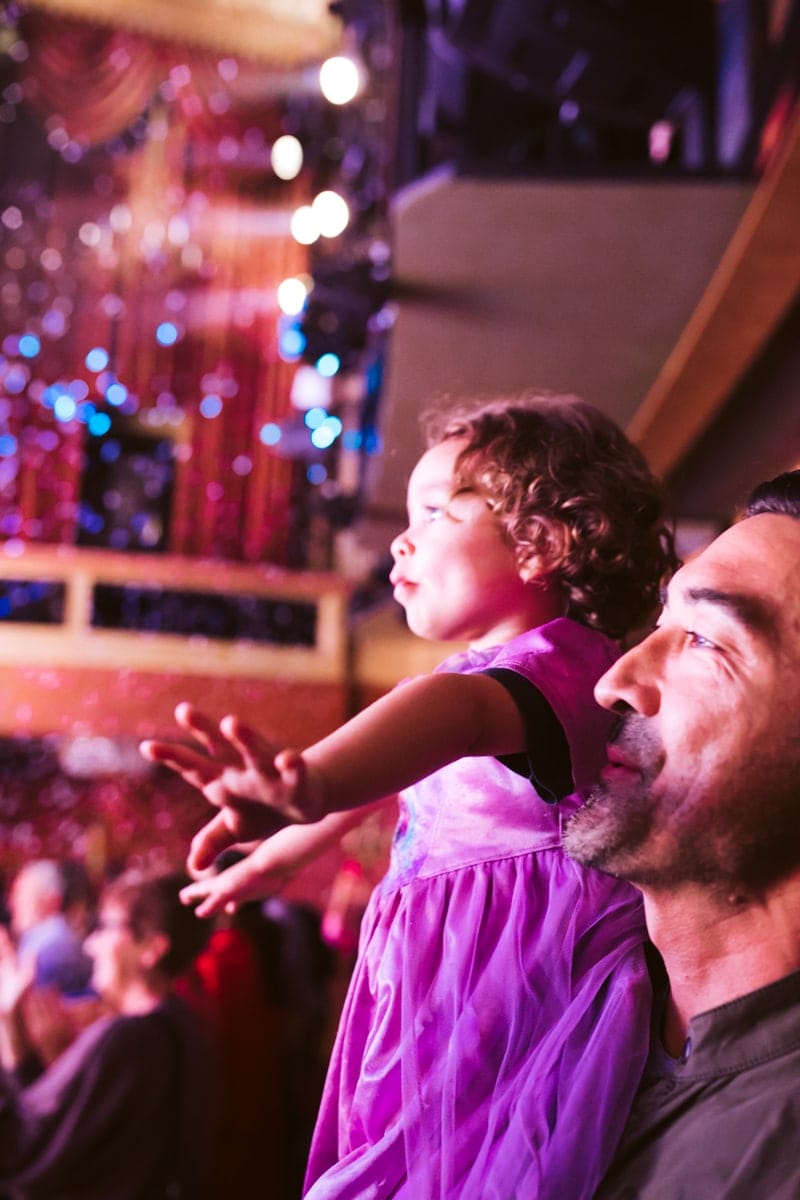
(723, 1121)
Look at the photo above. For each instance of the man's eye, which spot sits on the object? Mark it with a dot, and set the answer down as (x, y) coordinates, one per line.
(698, 641)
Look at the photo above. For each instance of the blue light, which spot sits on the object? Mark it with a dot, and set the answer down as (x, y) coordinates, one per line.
(352, 440)
(315, 417)
(328, 365)
(167, 334)
(316, 473)
(326, 433)
(323, 437)
(29, 345)
(291, 343)
(116, 394)
(85, 411)
(211, 405)
(8, 445)
(110, 451)
(65, 407)
(269, 434)
(91, 521)
(99, 423)
(97, 359)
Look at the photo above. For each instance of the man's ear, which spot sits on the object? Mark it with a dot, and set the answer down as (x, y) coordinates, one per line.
(155, 948)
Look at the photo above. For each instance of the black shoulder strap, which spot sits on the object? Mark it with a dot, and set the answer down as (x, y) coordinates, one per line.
(547, 760)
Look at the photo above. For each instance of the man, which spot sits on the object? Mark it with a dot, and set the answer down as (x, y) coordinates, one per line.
(699, 806)
(43, 933)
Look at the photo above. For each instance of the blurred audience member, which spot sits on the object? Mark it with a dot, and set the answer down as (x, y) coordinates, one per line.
(122, 1113)
(43, 934)
(228, 990)
(79, 901)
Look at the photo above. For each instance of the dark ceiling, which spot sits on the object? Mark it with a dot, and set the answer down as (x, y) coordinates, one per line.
(587, 194)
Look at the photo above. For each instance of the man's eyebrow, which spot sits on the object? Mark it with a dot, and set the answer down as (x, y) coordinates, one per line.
(753, 612)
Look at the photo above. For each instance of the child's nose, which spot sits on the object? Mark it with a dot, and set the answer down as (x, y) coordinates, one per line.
(401, 545)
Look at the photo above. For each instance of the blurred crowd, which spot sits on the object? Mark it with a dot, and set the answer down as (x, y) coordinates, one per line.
(145, 1053)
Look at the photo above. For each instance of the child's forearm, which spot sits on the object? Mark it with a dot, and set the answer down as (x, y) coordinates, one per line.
(416, 729)
(291, 849)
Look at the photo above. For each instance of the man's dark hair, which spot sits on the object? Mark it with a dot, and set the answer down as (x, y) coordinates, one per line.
(780, 495)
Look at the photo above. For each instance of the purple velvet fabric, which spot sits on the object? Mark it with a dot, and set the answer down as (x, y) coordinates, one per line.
(497, 1020)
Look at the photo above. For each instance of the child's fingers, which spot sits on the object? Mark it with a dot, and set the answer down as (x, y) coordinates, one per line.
(196, 768)
(203, 730)
(194, 892)
(208, 842)
(293, 771)
(207, 904)
(254, 750)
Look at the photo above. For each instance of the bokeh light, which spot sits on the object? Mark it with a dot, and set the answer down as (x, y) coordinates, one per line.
(339, 79)
(304, 225)
(292, 296)
(330, 213)
(286, 157)
(97, 359)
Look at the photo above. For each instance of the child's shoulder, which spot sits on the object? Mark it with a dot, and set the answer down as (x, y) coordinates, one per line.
(562, 640)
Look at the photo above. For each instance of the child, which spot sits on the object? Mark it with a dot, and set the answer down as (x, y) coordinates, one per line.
(497, 1017)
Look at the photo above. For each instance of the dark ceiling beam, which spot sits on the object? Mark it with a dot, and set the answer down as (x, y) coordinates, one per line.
(750, 293)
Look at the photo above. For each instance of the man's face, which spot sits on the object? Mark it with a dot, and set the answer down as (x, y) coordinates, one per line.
(29, 902)
(702, 783)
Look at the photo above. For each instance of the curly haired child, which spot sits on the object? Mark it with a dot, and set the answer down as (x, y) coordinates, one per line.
(497, 1017)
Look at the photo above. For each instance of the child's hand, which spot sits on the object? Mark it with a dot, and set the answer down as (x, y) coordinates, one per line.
(272, 864)
(257, 790)
(254, 878)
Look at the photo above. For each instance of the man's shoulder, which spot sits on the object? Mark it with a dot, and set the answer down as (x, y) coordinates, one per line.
(721, 1121)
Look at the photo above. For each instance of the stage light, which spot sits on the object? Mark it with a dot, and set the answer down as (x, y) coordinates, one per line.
(116, 394)
(286, 157)
(210, 406)
(339, 79)
(167, 334)
(97, 359)
(304, 226)
(292, 295)
(330, 213)
(269, 434)
(328, 364)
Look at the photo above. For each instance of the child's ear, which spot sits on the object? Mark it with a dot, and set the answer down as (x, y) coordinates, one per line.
(536, 569)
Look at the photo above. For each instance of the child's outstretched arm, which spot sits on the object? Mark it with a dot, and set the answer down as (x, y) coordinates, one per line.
(272, 864)
(406, 735)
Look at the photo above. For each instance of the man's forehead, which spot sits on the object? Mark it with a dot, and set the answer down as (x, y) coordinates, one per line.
(759, 556)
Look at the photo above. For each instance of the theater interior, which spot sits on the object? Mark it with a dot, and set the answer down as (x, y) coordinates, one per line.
(227, 293)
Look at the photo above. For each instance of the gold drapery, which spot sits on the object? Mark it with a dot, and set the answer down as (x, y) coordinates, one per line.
(280, 33)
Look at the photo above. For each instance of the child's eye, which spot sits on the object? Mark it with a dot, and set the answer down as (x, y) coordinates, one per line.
(433, 512)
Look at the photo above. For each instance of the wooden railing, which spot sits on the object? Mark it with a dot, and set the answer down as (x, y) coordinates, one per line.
(69, 607)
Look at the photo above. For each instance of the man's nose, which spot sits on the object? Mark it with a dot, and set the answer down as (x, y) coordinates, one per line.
(632, 684)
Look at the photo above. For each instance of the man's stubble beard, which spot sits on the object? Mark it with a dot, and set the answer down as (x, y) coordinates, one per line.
(739, 837)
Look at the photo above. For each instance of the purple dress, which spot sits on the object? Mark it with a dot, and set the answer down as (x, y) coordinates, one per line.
(497, 1021)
